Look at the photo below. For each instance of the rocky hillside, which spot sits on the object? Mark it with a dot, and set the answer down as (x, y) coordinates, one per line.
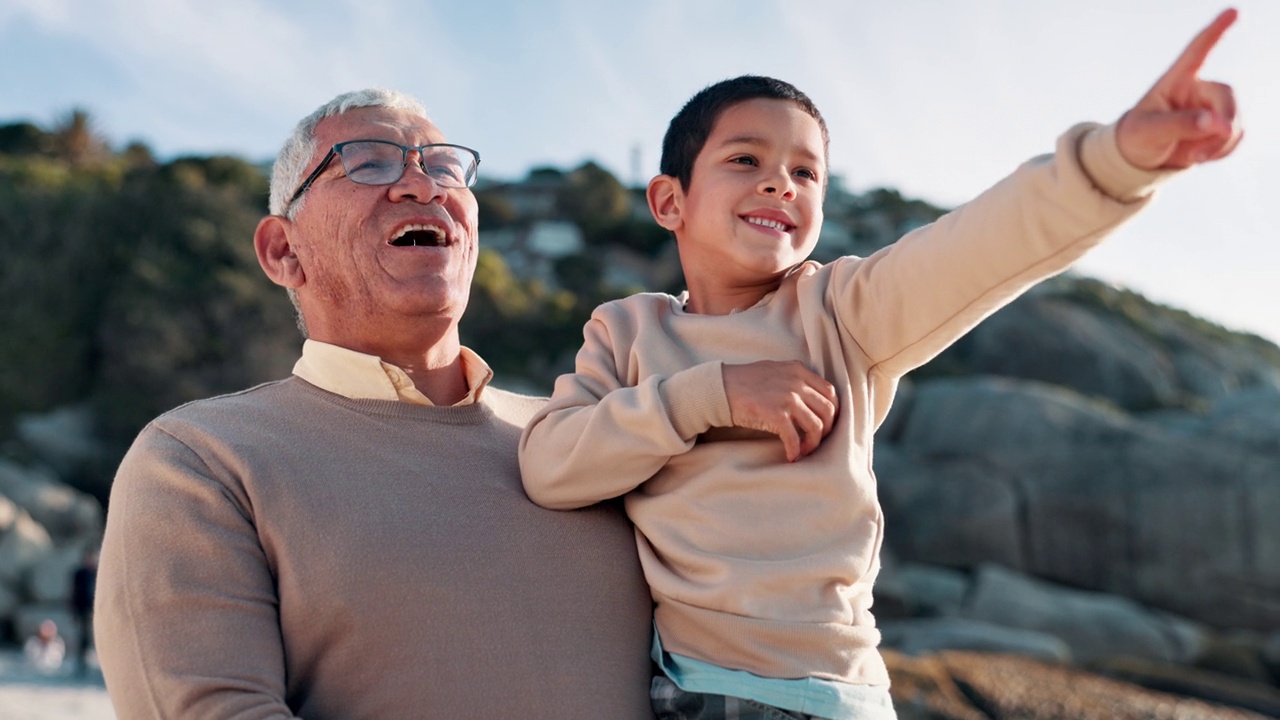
(1092, 480)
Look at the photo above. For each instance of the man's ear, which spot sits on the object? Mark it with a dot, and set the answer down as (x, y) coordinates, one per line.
(276, 253)
(666, 201)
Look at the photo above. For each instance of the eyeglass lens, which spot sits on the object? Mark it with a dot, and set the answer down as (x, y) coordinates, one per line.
(375, 162)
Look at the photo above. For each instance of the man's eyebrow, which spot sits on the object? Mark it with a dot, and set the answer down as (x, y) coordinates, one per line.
(758, 141)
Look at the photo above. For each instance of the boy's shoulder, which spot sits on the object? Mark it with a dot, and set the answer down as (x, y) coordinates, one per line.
(643, 302)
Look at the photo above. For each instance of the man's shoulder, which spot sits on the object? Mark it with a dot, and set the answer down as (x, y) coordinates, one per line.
(249, 407)
(267, 393)
(217, 426)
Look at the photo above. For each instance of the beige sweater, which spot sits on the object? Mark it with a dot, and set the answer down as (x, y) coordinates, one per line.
(287, 552)
(755, 563)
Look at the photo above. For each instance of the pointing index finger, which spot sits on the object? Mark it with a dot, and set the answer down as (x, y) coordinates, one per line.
(1193, 57)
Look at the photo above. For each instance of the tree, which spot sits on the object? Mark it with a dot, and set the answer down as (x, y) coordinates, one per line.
(76, 141)
(24, 138)
(594, 200)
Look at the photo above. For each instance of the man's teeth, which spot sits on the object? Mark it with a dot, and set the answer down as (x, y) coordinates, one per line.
(413, 235)
(768, 223)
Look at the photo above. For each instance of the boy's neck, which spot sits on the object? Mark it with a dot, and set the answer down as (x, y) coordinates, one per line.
(706, 298)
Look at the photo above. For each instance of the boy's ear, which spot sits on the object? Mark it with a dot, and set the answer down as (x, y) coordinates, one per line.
(666, 201)
(276, 253)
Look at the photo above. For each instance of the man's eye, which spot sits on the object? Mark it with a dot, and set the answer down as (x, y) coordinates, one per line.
(369, 167)
(447, 171)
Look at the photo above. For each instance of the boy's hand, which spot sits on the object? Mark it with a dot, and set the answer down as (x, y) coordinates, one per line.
(1183, 120)
(783, 398)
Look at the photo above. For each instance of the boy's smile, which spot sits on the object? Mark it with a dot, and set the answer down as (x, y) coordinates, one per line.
(753, 208)
(770, 219)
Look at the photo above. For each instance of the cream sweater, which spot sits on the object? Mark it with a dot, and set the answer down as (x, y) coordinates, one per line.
(287, 552)
(762, 565)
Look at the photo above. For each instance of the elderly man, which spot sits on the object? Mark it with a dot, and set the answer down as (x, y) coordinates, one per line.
(353, 541)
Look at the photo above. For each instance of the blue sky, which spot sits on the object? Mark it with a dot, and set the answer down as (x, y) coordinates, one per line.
(938, 98)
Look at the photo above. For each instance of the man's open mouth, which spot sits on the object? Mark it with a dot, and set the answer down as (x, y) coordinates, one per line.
(420, 236)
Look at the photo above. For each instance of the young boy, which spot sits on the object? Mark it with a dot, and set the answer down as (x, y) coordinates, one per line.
(761, 554)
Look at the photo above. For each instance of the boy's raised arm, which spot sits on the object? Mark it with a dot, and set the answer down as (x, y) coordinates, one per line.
(1183, 120)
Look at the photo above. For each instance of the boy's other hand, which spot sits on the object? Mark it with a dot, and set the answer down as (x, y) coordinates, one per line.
(1183, 120)
(786, 399)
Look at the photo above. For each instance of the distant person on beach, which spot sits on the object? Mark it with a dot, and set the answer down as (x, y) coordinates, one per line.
(737, 418)
(352, 542)
(83, 583)
(45, 649)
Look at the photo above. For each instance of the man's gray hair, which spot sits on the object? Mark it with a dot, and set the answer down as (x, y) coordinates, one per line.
(292, 161)
(286, 173)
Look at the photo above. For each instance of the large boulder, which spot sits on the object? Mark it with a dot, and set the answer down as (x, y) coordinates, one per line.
(950, 510)
(63, 438)
(920, 590)
(927, 635)
(1093, 625)
(23, 543)
(1048, 482)
(1271, 655)
(1251, 419)
(1048, 338)
(63, 511)
(1114, 344)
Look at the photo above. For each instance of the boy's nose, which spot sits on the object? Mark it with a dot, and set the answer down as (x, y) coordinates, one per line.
(779, 185)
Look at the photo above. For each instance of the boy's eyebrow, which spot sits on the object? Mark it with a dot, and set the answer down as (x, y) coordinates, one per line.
(757, 140)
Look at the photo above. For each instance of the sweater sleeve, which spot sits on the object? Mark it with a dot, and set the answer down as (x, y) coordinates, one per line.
(906, 303)
(599, 437)
(186, 612)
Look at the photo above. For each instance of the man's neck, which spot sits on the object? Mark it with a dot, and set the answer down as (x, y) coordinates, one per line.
(432, 360)
(443, 382)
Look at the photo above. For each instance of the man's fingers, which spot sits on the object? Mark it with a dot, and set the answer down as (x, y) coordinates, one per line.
(1192, 58)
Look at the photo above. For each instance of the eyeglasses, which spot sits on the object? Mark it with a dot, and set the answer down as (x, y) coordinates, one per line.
(382, 162)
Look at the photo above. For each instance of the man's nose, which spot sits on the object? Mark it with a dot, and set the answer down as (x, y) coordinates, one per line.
(415, 183)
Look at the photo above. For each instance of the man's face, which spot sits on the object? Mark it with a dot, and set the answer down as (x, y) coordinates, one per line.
(376, 256)
(753, 208)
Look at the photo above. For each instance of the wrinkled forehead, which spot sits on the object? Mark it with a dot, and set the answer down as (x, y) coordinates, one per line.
(377, 123)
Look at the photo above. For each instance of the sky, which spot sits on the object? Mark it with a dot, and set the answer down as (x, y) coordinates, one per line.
(936, 98)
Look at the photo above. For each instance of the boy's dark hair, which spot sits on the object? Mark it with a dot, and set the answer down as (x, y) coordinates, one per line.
(690, 128)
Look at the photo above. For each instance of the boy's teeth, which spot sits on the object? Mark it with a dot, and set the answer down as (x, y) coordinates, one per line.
(767, 223)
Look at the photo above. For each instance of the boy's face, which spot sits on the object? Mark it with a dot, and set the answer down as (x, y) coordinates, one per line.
(753, 208)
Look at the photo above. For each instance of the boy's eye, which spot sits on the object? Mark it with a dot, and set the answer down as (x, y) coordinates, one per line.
(807, 174)
(743, 160)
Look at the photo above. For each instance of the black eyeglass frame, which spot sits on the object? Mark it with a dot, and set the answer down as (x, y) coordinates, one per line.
(336, 150)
